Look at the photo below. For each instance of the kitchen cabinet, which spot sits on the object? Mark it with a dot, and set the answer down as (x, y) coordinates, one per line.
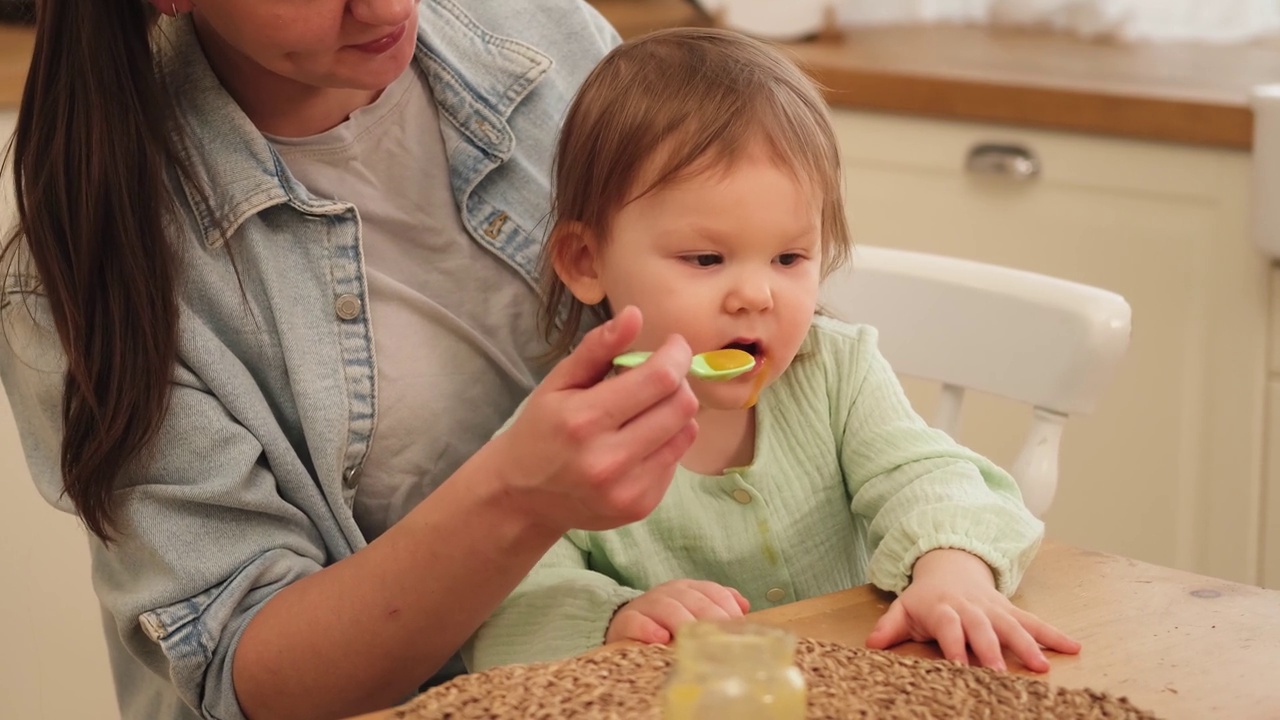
(1170, 468)
(1271, 478)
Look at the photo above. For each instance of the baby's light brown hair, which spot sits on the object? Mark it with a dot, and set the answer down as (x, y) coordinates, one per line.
(673, 103)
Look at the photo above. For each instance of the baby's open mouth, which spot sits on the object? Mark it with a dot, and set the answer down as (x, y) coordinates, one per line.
(751, 347)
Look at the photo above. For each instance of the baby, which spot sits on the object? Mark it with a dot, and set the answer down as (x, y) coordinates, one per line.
(698, 180)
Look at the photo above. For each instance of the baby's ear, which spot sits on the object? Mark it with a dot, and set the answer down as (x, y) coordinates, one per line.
(575, 254)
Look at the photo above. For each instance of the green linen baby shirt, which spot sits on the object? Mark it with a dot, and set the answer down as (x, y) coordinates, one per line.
(848, 485)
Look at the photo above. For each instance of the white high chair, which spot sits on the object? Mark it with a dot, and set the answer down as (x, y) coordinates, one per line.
(1035, 339)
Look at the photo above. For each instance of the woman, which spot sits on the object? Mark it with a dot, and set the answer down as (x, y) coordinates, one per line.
(269, 296)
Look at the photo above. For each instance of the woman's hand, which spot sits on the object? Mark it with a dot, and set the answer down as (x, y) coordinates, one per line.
(595, 452)
(953, 599)
(655, 616)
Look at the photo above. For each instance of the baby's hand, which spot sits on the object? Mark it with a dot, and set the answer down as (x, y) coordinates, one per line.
(655, 616)
(953, 599)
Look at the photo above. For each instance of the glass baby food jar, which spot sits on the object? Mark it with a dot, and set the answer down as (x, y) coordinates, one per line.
(734, 670)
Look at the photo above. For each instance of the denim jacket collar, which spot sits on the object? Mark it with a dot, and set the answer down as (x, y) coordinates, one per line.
(235, 171)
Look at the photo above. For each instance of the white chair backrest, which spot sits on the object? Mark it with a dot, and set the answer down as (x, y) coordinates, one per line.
(1047, 342)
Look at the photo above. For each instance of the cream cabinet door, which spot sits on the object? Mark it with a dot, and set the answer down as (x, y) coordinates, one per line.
(1271, 492)
(1169, 468)
(1271, 476)
(53, 661)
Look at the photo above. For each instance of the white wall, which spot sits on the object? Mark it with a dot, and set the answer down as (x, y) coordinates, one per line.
(53, 660)
(1115, 20)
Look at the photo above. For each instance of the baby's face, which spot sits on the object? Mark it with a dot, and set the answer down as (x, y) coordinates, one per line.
(730, 257)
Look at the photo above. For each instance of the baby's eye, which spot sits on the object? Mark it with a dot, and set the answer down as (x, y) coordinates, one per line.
(789, 259)
(703, 259)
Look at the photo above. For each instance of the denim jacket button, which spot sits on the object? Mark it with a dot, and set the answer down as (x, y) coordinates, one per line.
(351, 477)
(348, 307)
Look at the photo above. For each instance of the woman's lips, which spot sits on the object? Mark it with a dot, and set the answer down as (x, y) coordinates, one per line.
(382, 44)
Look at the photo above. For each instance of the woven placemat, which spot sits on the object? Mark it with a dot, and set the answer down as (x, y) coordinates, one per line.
(844, 683)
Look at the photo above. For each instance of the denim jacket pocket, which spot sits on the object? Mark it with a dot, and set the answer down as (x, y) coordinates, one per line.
(197, 635)
(170, 626)
(184, 638)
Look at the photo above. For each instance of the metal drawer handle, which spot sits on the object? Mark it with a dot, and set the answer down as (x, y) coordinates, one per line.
(1014, 162)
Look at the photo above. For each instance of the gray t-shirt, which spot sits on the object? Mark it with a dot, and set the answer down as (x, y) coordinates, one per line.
(455, 334)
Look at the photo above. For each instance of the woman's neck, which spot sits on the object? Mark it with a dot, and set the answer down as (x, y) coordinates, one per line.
(303, 112)
(726, 439)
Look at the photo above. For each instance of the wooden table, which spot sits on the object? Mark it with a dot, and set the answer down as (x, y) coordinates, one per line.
(1182, 645)
(1185, 646)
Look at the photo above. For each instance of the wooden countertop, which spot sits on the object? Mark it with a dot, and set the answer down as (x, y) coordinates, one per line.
(1184, 646)
(1177, 92)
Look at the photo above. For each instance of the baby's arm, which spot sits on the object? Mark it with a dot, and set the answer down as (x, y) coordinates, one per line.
(917, 488)
(952, 599)
(561, 609)
(948, 528)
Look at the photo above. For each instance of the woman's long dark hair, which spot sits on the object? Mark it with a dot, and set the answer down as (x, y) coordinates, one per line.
(89, 157)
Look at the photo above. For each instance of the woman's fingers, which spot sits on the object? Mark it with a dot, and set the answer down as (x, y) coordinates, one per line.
(639, 486)
(647, 433)
(593, 358)
(616, 401)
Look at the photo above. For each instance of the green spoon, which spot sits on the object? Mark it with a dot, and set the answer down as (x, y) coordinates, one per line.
(711, 365)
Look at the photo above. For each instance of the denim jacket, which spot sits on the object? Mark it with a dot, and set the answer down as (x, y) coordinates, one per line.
(253, 473)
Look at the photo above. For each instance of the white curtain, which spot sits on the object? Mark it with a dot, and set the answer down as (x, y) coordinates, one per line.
(1147, 20)
(900, 12)
(1213, 20)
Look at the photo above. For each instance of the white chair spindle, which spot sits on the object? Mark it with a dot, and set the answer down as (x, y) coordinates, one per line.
(947, 415)
(1036, 468)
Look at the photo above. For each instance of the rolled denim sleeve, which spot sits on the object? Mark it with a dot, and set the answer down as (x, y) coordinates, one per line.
(203, 536)
(205, 540)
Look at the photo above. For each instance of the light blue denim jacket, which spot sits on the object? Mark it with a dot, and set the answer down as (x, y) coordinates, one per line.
(273, 403)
